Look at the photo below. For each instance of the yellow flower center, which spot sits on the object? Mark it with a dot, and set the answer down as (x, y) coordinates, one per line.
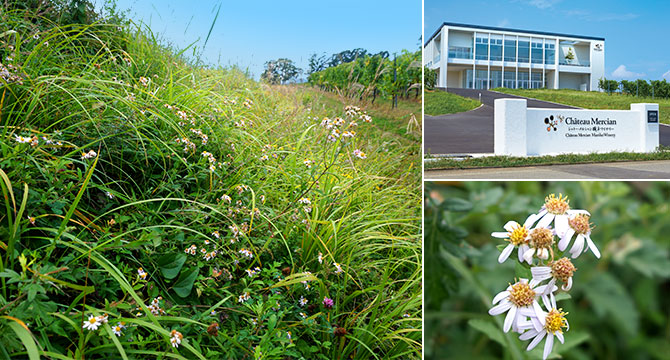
(580, 224)
(93, 320)
(556, 205)
(562, 269)
(518, 236)
(521, 294)
(555, 321)
(541, 238)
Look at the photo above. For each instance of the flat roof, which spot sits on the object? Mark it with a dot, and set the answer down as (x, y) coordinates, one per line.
(513, 30)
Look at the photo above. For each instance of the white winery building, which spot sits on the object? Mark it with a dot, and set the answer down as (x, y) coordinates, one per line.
(484, 57)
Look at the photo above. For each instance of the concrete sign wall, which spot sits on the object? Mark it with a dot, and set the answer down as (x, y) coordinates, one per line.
(519, 131)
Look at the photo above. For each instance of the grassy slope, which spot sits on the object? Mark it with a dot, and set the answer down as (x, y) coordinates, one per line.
(592, 99)
(506, 161)
(439, 102)
(144, 199)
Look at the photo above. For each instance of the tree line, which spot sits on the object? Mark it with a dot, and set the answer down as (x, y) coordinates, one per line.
(639, 87)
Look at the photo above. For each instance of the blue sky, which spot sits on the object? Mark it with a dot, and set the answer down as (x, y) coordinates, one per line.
(636, 32)
(249, 33)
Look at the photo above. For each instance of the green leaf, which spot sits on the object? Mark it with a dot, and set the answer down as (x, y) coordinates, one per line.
(521, 271)
(609, 299)
(171, 264)
(185, 282)
(24, 335)
(489, 329)
(456, 204)
(563, 296)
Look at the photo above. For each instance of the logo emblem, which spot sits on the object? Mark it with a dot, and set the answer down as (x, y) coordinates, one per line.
(598, 47)
(552, 123)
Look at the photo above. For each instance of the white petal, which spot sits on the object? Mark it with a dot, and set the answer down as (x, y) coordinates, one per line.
(527, 311)
(500, 234)
(522, 249)
(511, 225)
(560, 337)
(592, 246)
(546, 302)
(531, 220)
(565, 239)
(541, 272)
(536, 323)
(500, 308)
(536, 341)
(548, 344)
(528, 334)
(568, 286)
(505, 253)
(543, 253)
(539, 313)
(578, 246)
(509, 319)
(523, 325)
(500, 296)
(553, 301)
(561, 224)
(575, 212)
(545, 221)
(528, 255)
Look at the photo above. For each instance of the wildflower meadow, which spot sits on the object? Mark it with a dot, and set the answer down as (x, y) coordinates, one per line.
(156, 207)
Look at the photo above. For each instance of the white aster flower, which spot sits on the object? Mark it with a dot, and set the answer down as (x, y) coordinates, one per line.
(556, 209)
(517, 235)
(93, 323)
(553, 321)
(578, 224)
(175, 338)
(540, 244)
(520, 300)
(561, 269)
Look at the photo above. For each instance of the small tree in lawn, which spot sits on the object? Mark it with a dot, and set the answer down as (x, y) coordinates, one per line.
(280, 71)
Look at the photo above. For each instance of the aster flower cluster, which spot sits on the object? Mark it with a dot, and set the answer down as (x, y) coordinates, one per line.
(531, 304)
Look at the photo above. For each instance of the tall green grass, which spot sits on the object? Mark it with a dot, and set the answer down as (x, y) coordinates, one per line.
(75, 231)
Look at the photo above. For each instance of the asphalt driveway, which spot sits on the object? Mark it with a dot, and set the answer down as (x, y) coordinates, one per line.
(472, 132)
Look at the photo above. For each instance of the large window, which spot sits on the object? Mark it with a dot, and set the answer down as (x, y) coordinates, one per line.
(510, 50)
(524, 51)
(482, 47)
(536, 51)
(496, 78)
(523, 80)
(536, 80)
(549, 53)
(458, 52)
(496, 48)
(481, 79)
(510, 79)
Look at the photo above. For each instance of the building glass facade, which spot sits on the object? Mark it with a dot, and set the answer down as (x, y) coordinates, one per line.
(524, 50)
(482, 47)
(510, 50)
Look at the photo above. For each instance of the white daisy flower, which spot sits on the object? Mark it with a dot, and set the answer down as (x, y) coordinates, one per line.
(93, 323)
(578, 224)
(556, 210)
(118, 329)
(540, 244)
(553, 321)
(561, 269)
(520, 300)
(175, 338)
(517, 236)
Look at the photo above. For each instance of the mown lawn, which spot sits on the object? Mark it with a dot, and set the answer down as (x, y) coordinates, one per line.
(592, 99)
(510, 161)
(438, 102)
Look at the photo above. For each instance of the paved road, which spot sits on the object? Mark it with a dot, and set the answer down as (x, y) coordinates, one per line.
(620, 170)
(472, 132)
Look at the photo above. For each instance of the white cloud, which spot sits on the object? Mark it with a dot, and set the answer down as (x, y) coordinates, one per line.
(588, 16)
(666, 75)
(503, 23)
(540, 4)
(622, 73)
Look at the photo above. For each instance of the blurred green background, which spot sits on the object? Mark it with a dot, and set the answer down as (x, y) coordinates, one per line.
(619, 306)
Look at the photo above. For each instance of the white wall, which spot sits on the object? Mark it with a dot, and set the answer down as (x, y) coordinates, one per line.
(460, 38)
(455, 79)
(597, 64)
(570, 81)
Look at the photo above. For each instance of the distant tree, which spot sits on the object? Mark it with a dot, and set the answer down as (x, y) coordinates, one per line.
(280, 71)
(317, 63)
(608, 86)
(347, 56)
